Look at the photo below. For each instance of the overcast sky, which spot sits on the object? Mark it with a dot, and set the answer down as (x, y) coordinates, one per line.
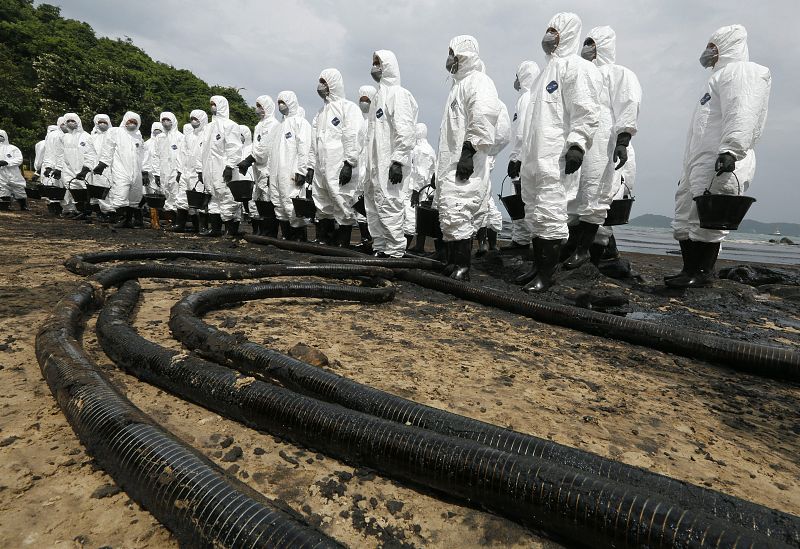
(267, 47)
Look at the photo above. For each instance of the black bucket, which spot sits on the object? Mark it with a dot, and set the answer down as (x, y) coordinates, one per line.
(197, 199)
(359, 206)
(428, 220)
(5, 203)
(266, 209)
(96, 208)
(241, 190)
(155, 201)
(722, 212)
(304, 207)
(619, 213)
(33, 192)
(97, 191)
(513, 203)
(79, 195)
(54, 193)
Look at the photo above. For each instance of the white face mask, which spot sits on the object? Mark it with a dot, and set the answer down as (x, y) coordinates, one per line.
(156, 133)
(102, 126)
(63, 128)
(167, 123)
(2, 139)
(194, 122)
(213, 109)
(364, 106)
(283, 108)
(72, 125)
(131, 127)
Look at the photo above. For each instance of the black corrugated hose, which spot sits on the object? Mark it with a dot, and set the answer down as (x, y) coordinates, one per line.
(269, 365)
(581, 508)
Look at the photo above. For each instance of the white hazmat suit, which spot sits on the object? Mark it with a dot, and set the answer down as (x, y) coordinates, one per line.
(423, 165)
(191, 149)
(123, 152)
(166, 161)
(265, 131)
(12, 183)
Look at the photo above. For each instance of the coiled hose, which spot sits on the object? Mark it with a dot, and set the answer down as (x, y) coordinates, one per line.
(581, 508)
(185, 491)
(265, 364)
(763, 360)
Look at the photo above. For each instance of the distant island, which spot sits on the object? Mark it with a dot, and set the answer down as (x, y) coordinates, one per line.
(747, 226)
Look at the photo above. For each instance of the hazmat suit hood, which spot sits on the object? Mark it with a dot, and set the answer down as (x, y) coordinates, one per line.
(52, 128)
(605, 42)
(367, 91)
(61, 121)
(98, 118)
(133, 115)
(526, 74)
(170, 116)
(467, 52)
(569, 27)
(153, 127)
(731, 42)
(71, 116)
(4, 136)
(390, 68)
(335, 84)
(422, 131)
(246, 134)
(202, 117)
(223, 109)
(267, 104)
(290, 99)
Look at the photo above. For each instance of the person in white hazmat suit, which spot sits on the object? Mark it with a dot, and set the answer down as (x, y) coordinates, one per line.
(366, 94)
(489, 221)
(123, 153)
(526, 75)
(288, 165)
(391, 136)
(258, 160)
(728, 121)
(620, 98)
(467, 134)
(423, 166)
(165, 165)
(102, 123)
(186, 178)
(12, 182)
(333, 160)
(156, 129)
(217, 165)
(563, 116)
(51, 148)
(76, 158)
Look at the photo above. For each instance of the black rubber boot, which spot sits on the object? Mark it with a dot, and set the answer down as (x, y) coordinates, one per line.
(545, 257)
(126, 221)
(269, 227)
(215, 223)
(528, 275)
(585, 238)
(83, 212)
(687, 246)
(440, 250)
(703, 258)
(286, 229)
(343, 235)
(409, 240)
(572, 242)
(256, 224)
(138, 218)
(23, 204)
(419, 245)
(462, 258)
(202, 222)
(299, 234)
(326, 232)
(195, 223)
(491, 237)
(363, 228)
(483, 246)
(232, 228)
(450, 262)
(54, 209)
(180, 221)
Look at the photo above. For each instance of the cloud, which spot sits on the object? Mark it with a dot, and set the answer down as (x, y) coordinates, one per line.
(267, 47)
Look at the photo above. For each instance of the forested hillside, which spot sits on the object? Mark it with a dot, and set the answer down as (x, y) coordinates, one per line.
(50, 65)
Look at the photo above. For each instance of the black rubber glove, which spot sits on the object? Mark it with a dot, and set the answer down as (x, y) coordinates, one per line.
(621, 149)
(82, 174)
(3, 163)
(157, 179)
(57, 174)
(227, 174)
(199, 177)
(145, 178)
(48, 171)
(433, 181)
(178, 177)
(98, 170)
(574, 159)
(395, 173)
(299, 179)
(465, 167)
(725, 163)
(310, 175)
(514, 167)
(415, 198)
(346, 173)
(245, 164)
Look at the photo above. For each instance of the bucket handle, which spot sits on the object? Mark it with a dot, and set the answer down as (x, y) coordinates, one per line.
(69, 183)
(629, 193)
(502, 184)
(197, 182)
(738, 185)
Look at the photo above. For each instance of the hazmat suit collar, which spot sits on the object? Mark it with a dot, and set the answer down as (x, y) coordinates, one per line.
(731, 42)
(290, 98)
(335, 84)
(605, 41)
(466, 49)
(223, 109)
(171, 117)
(202, 117)
(268, 104)
(421, 131)
(568, 26)
(247, 134)
(526, 74)
(71, 116)
(390, 75)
